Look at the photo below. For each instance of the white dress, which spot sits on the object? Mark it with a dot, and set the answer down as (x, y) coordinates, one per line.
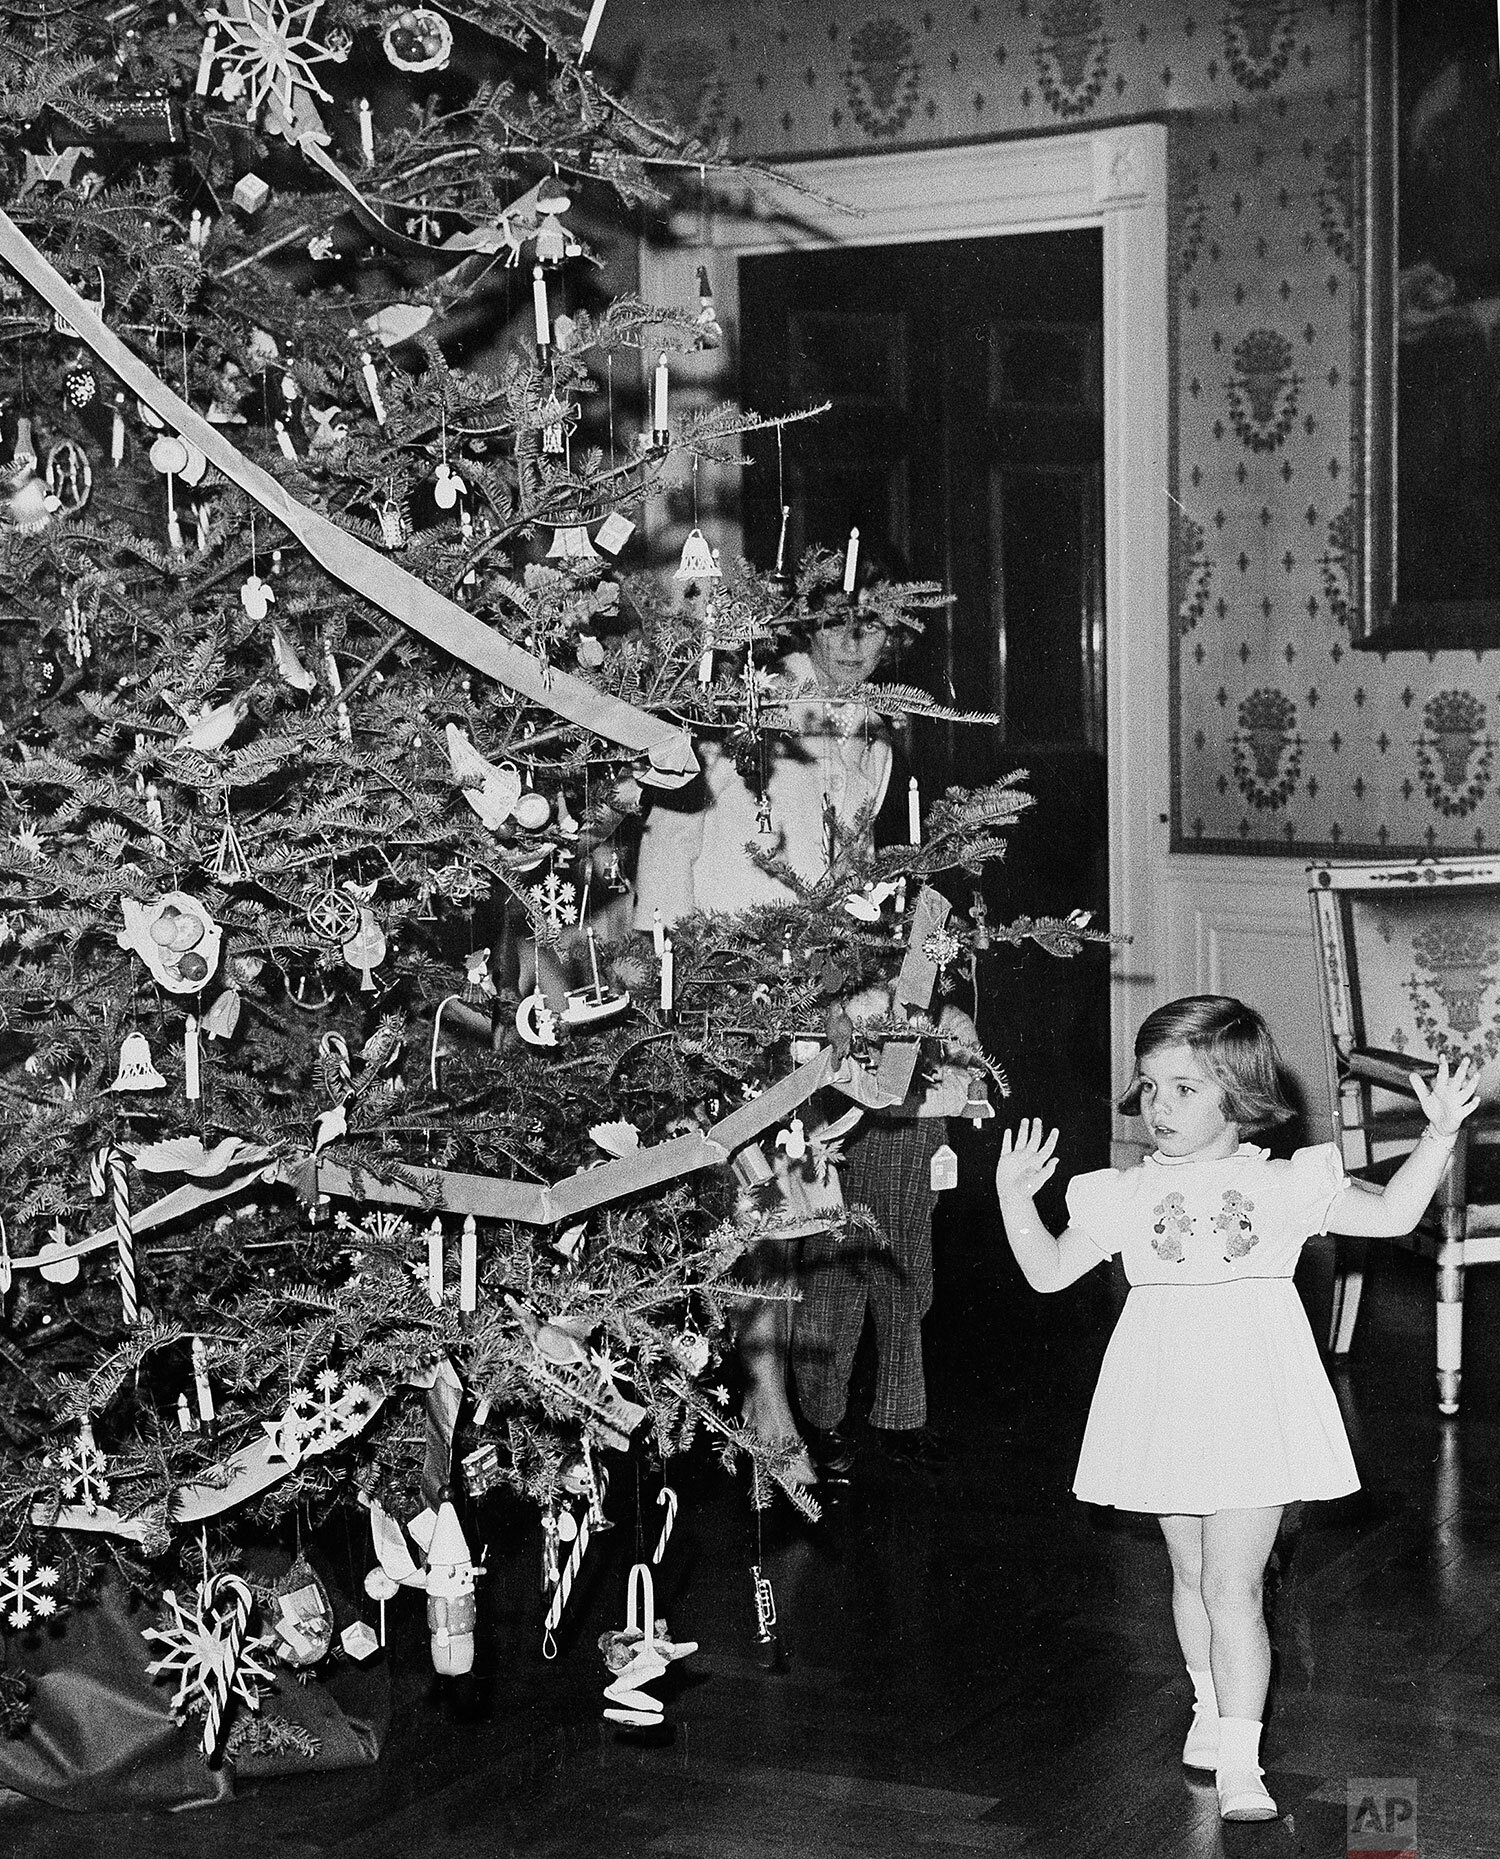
(1211, 1395)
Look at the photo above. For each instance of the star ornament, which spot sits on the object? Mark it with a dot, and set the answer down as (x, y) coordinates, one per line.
(269, 55)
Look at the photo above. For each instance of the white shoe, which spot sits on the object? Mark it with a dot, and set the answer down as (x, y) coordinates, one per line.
(1242, 1796)
(1201, 1750)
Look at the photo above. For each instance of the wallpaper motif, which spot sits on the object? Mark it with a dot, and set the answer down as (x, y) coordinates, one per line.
(1072, 57)
(1263, 390)
(1454, 753)
(1259, 39)
(1286, 738)
(1267, 750)
(881, 82)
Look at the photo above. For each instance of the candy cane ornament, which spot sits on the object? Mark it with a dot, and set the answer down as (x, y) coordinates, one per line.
(109, 1164)
(231, 1646)
(668, 1497)
(570, 1568)
(124, 1234)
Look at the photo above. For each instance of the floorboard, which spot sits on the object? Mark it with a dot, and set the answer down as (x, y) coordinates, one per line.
(974, 1663)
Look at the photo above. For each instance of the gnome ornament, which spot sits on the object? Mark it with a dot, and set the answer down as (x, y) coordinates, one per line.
(451, 1610)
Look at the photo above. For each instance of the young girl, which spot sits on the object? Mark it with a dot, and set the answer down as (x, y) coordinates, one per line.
(1212, 1409)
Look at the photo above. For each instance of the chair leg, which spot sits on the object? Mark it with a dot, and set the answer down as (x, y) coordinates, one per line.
(1348, 1287)
(1450, 1325)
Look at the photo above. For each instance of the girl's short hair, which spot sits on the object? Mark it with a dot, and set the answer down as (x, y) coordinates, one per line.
(1234, 1046)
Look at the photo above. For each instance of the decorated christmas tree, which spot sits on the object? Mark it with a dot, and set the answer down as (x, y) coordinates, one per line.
(354, 1154)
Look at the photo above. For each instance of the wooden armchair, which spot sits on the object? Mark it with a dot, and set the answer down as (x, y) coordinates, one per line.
(1409, 958)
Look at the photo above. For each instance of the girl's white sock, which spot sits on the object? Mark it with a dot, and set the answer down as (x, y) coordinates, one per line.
(1204, 1696)
(1239, 1746)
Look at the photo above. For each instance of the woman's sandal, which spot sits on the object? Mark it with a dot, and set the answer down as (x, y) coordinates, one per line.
(799, 1469)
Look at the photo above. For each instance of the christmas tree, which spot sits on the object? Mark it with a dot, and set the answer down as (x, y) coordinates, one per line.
(348, 1152)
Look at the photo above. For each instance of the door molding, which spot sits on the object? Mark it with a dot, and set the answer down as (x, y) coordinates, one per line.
(1115, 179)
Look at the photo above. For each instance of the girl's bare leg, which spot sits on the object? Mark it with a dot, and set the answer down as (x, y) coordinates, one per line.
(1185, 1546)
(1237, 1545)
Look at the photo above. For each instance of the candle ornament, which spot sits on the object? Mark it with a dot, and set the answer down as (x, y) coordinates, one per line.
(468, 1265)
(540, 308)
(201, 1383)
(591, 27)
(661, 436)
(435, 1262)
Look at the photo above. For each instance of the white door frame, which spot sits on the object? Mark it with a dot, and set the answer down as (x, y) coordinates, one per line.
(1115, 179)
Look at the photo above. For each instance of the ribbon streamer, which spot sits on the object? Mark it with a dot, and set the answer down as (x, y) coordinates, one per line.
(242, 1476)
(375, 577)
(479, 239)
(441, 1403)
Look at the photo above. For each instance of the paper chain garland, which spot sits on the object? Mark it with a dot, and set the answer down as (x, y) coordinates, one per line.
(257, 1467)
(490, 1197)
(379, 580)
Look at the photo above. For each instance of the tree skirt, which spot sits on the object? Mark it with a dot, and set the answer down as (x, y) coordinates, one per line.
(102, 1736)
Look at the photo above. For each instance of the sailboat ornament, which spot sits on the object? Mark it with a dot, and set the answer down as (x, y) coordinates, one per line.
(594, 1005)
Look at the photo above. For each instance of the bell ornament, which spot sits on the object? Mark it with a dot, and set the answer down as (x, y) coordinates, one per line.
(137, 1072)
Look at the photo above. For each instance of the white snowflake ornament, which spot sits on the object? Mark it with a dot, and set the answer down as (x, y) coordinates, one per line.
(554, 899)
(268, 53)
(320, 1418)
(82, 1468)
(23, 1594)
(199, 1648)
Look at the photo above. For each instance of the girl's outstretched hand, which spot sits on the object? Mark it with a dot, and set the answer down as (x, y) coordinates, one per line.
(1028, 1159)
(1449, 1098)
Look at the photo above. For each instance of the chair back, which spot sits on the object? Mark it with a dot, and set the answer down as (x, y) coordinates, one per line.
(1409, 960)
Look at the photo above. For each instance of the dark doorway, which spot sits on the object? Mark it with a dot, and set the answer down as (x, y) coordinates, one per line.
(965, 441)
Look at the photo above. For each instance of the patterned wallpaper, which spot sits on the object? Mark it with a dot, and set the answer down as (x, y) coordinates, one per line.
(1285, 738)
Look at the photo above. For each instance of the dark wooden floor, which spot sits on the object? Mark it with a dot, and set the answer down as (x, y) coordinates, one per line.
(976, 1662)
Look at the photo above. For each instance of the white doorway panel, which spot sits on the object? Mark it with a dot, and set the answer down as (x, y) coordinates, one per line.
(1115, 179)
